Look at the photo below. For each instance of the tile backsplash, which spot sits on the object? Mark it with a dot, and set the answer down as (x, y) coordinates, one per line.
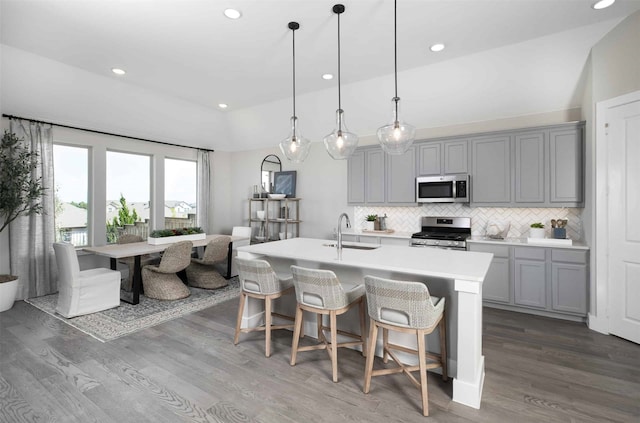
(407, 219)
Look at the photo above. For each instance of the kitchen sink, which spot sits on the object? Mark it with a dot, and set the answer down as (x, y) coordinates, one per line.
(355, 247)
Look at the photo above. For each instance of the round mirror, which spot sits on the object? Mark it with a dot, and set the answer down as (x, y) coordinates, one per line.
(270, 165)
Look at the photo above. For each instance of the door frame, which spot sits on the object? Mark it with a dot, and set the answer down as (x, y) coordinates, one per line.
(598, 317)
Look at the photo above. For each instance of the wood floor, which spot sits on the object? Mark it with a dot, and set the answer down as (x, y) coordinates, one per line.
(188, 370)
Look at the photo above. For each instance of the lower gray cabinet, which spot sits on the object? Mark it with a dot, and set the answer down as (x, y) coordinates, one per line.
(497, 283)
(530, 277)
(554, 281)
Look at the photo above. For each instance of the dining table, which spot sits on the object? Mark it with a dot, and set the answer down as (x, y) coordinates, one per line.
(139, 249)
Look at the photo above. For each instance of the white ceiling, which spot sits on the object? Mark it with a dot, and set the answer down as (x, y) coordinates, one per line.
(187, 49)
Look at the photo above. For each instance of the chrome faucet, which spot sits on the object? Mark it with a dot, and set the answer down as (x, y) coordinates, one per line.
(339, 243)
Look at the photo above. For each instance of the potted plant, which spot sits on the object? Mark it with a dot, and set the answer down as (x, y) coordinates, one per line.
(536, 230)
(370, 223)
(168, 236)
(20, 195)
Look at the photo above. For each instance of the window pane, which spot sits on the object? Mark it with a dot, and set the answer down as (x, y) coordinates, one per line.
(180, 187)
(70, 174)
(128, 195)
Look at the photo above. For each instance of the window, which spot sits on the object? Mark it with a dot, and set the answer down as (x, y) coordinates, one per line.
(180, 193)
(128, 195)
(71, 176)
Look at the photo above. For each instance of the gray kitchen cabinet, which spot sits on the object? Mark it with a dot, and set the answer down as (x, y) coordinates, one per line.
(356, 178)
(540, 280)
(430, 159)
(530, 167)
(566, 166)
(375, 176)
(401, 174)
(443, 157)
(569, 281)
(497, 283)
(491, 170)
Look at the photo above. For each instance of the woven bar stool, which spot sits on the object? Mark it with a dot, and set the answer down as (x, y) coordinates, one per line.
(405, 307)
(258, 280)
(320, 292)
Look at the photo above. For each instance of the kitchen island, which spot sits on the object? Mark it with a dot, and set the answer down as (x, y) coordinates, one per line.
(456, 275)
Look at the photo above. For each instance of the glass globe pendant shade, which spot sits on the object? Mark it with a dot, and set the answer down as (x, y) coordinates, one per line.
(397, 136)
(295, 147)
(341, 143)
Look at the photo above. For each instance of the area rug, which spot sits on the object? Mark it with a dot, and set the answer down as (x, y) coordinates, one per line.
(120, 321)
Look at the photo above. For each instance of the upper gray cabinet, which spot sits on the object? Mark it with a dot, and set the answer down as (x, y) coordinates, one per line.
(443, 157)
(491, 174)
(545, 165)
(401, 174)
(566, 166)
(374, 176)
(356, 178)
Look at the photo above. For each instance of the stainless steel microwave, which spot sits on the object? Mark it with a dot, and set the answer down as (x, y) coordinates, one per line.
(443, 189)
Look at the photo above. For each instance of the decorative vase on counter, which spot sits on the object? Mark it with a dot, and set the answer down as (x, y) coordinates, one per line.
(536, 232)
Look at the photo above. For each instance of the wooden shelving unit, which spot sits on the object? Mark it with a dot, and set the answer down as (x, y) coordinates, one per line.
(280, 215)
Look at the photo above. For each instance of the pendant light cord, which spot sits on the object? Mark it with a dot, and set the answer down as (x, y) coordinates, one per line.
(339, 93)
(294, 72)
(395, 52)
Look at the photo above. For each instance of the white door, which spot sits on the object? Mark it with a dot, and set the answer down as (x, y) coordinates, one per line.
(623, 138)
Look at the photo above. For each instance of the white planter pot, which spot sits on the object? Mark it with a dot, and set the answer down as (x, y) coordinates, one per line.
(172, 239)
(369, 226)
(8, 291)
(536, 232)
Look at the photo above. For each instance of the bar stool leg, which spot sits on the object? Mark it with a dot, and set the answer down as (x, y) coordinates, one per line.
(334, 344)
(296, 335)
(243, 298)
(385, 345)
(423, 372)
(373, 334)
(363, 328)
(267, 326)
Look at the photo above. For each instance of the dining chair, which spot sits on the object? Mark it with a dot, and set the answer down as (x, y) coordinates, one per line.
(320, 292)
(405, 307)
(83, 291)
(244, 231)
(145, 259)
(202, 272)
(161, 282)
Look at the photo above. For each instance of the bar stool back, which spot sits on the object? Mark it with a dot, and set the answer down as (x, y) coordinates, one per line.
(405, 307)
(320, 292)
(258, 280)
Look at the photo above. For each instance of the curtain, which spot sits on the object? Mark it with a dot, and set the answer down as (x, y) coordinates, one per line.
(204, 189)
(31, 237)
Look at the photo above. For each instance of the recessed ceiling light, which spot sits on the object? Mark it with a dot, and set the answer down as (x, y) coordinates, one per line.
(603, 4)
(232, 13)
(437, 47)
(223, 105)
(118, 71)
(327, 76)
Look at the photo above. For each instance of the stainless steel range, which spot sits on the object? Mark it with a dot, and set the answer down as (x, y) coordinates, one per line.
(443, 232)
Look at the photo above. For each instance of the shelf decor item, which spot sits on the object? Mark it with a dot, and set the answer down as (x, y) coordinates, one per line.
(169, 236)
(370, 222)
(285, 183)
(295, 147)
(340, 143)
(536, 230)
(396, 137)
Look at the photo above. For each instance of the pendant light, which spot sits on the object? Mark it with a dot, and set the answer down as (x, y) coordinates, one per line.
(397, 136)
(341, 143)
(295, 147)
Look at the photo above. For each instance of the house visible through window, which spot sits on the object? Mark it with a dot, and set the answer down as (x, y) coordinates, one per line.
(180, 187)
(128, 195)
(71, 175)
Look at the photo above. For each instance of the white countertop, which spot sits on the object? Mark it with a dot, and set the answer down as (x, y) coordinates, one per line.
(434, 262)
(359, 232)
(522, 242)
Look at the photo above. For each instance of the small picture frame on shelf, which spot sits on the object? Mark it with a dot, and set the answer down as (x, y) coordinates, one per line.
(285, 183)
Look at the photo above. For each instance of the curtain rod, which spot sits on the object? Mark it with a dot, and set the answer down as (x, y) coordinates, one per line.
(105, 133)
